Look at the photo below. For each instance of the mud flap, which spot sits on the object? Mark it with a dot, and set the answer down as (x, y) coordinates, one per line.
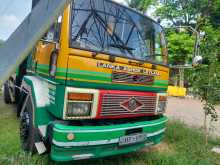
(41, 148)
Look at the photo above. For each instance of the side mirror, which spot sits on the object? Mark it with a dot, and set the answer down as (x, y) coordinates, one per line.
(197, 60)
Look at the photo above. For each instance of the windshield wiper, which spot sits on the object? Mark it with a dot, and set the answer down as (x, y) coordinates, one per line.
(121, 47)
(118, 41)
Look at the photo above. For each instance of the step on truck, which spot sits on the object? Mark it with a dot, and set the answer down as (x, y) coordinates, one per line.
(94, 85)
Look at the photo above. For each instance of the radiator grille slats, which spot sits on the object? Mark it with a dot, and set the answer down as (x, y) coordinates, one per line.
(111, 105)
(120, 77)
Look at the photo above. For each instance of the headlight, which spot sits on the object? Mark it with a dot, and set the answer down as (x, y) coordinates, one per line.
(161, 103)
(80, 103)
(78, 109)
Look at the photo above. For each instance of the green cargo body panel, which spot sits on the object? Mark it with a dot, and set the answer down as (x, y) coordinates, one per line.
(100, 141)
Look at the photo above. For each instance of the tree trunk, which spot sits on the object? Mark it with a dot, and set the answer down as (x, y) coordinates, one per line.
(205, 129)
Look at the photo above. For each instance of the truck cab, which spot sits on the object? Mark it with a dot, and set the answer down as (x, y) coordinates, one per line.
(95, 84)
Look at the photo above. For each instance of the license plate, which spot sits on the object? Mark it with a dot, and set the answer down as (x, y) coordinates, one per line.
(132, 139)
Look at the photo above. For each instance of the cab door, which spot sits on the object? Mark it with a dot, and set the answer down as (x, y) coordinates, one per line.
(47, 50)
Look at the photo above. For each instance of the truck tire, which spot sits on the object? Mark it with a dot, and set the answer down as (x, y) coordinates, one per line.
(27, 129)
(20, 103)
(7, 98)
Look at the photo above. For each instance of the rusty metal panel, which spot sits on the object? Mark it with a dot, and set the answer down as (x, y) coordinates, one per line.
(23, 40)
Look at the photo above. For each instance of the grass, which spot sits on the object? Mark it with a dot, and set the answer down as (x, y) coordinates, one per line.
(181, 146)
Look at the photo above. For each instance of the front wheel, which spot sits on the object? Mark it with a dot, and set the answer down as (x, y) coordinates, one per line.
(27, 130)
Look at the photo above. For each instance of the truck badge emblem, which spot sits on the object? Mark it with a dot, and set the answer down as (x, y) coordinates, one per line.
(132, 104)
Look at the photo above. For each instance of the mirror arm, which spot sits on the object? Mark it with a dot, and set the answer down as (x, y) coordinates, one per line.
(48, 41)
(51, 42)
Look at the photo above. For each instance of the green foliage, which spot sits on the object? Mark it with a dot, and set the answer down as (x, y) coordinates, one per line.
(206, 85)
(180, 46)
(212, 12)
(210, 44)
(203, 15)
(141, 5)
(181, 12)
(206, 78)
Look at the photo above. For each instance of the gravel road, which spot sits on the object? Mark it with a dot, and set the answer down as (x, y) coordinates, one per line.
(191, 113)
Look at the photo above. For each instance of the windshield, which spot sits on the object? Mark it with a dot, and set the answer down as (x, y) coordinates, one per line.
(105, 26)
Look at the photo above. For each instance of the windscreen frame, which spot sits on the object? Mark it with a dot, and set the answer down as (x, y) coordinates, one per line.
(116, 54)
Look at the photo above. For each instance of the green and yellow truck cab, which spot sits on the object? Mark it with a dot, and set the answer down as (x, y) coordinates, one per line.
(95, 84)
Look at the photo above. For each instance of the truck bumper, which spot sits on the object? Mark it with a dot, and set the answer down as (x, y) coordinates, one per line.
(99, 141)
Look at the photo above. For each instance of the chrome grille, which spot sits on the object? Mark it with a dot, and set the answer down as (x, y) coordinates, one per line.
(121, 77)
(111, 105)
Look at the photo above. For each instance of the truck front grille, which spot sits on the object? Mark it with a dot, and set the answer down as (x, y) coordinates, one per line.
(114, 105)
(121, 77)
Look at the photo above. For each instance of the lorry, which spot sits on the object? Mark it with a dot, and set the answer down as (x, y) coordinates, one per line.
(94, 85)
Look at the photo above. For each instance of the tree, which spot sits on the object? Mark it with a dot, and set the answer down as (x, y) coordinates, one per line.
(141, 5)
(181, 12)
(180, 52)
(203, 15)
(206, 78)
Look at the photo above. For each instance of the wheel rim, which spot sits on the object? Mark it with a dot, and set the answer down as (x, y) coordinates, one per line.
(25, 125)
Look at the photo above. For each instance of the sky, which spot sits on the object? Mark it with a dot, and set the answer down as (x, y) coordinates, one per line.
(13, 12)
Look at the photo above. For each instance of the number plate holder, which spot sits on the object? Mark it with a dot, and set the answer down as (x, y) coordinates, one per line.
(132, 139)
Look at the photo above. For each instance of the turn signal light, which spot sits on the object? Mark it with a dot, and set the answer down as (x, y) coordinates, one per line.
(80, 96)
(162, 98)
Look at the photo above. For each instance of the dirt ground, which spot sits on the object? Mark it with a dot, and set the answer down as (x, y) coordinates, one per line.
(190, 111)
